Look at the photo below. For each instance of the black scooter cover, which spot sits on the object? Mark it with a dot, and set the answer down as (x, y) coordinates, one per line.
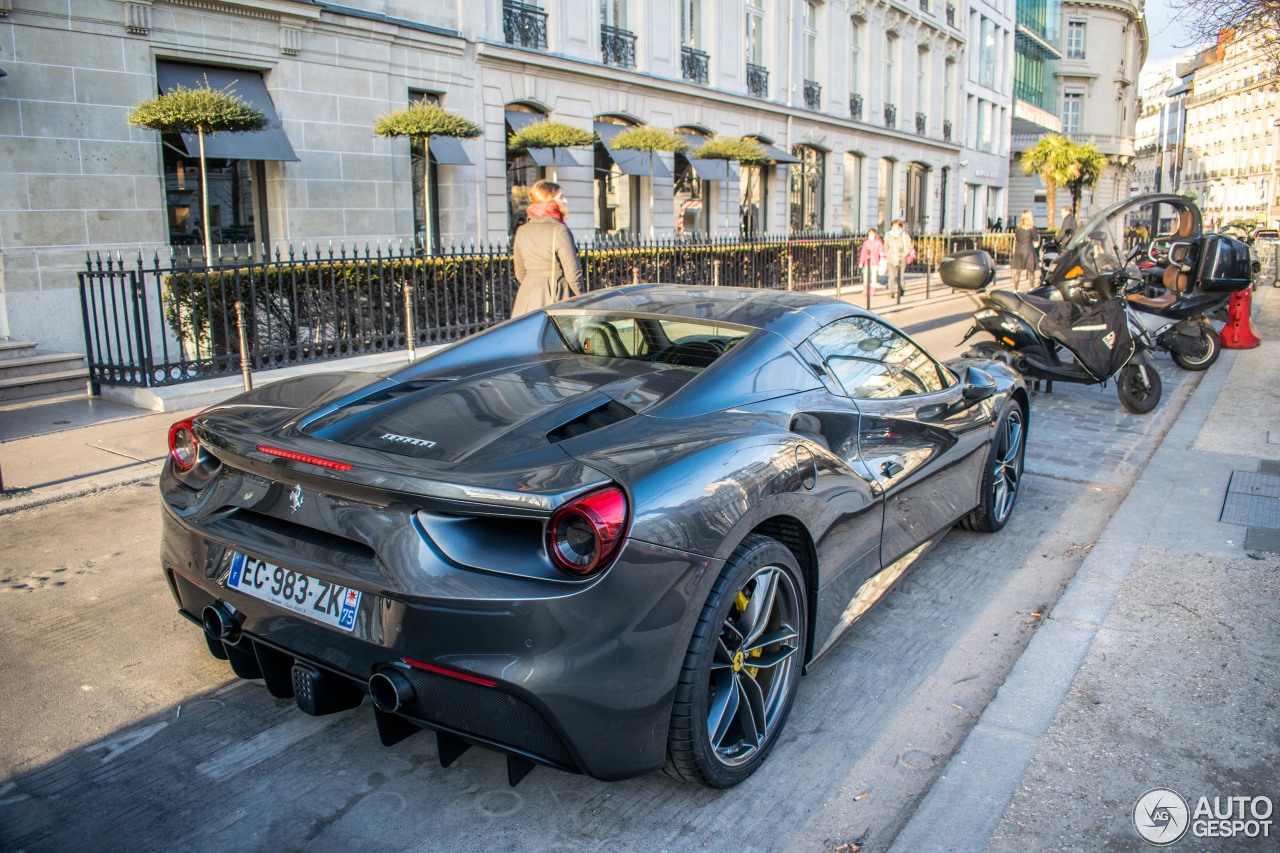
(1097, 335)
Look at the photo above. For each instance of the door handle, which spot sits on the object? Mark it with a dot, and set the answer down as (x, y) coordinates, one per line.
(891, 469)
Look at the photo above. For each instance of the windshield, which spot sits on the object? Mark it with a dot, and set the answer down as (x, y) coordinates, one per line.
(661, 339)
(1149, 223)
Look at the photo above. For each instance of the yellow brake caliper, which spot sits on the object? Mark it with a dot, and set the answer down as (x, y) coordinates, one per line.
(740, 602)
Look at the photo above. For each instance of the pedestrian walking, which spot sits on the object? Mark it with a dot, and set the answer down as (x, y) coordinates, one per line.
(899, 251)
(545, 255)
(1026, 250)
(872, 260)
(1068, 226)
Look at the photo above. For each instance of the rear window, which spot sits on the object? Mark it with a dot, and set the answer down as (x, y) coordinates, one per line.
(659, 339)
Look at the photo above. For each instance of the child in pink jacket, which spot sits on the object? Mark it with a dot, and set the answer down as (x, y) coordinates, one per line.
(870, 256)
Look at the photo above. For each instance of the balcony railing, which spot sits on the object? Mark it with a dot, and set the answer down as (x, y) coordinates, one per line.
(922, 123)
(617, 46)
(946, 129)
(855, 107)
(924, 5)
(758, 80)
(524, 25)
(951, 14)
(694, 64)
(812, 95)
(890, 115)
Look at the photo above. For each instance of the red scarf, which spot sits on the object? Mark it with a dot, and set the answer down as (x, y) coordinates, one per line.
(546, 208)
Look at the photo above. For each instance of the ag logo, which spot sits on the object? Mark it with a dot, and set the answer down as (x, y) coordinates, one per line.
(295, 498)
(1161, 816)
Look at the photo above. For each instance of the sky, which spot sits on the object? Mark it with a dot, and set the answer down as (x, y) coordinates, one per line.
(1165, 31)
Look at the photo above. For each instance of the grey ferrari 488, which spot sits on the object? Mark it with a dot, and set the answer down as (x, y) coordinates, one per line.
(603, 537)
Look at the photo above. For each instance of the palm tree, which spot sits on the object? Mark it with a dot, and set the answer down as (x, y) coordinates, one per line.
(421, 121)
(1051, 158)
(1085, 169)
(202, 110)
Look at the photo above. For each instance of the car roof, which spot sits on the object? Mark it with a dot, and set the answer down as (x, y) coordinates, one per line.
(794, 316)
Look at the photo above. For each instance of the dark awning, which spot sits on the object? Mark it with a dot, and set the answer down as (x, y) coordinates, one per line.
(706, 170)
(628, 161)
(775, 153)
(545, 157)
(270, 143)
(448, 151)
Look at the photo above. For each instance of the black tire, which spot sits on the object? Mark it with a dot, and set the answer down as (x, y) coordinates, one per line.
(722, 702)
(1002, 473)
(1138, 396)
(1213, 348)
(989, 350)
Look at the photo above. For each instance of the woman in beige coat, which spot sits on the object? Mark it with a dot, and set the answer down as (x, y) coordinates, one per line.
(545, 255)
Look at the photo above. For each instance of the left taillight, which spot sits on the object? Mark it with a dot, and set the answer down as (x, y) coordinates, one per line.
(184, 447)
(585, 534)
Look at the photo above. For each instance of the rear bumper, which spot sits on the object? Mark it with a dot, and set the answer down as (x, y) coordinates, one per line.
(582, 678)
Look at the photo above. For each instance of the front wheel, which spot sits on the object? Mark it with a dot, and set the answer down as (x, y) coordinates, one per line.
(742, 668)
(1212, 346)
(1138, 386)
(1002, 474)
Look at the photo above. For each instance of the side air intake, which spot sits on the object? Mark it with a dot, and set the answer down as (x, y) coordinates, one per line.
(603, 416)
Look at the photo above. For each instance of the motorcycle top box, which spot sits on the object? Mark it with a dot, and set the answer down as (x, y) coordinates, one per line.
(1225, 265)
(971, 270)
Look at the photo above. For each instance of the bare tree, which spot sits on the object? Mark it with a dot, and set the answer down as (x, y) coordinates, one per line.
(1205, 20)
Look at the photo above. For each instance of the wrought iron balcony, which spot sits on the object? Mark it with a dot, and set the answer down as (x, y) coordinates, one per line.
(524, 24)
(855, 107)
(694, 64)
(890, 115)
(617, 46)
(946, 129)
(812, 95)
(951, 14)
(922, 122)
(758, 80)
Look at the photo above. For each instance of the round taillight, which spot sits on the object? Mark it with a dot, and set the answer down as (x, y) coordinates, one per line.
(184, 447)
(586, 533)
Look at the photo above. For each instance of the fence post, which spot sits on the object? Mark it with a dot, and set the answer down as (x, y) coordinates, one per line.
(244, 347)
(635, 275)
(928, 266)
(869, 280)
(715, 273)
(790, 268)
(839, 270)
(410, 333)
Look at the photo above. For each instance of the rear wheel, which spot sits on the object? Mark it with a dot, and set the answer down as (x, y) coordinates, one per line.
(1138, 386)
(1211, 346)
(742, 668)
(989, 350)
(1002, 474)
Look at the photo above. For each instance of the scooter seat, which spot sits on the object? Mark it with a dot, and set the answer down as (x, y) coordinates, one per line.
(1023, 305)
(1154, 302)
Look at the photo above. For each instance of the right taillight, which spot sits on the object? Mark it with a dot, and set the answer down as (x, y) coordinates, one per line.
(585, 534)
(184, 447)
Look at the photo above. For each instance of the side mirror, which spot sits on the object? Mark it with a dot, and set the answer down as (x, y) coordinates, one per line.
(978, 385)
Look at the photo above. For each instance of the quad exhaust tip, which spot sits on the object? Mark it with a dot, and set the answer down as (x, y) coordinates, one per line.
(220, 623)
(390, 691)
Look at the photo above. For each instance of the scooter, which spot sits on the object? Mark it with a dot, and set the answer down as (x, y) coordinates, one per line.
(1056, 341)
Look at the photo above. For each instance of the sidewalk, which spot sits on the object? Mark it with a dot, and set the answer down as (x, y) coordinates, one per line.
(1156, 667)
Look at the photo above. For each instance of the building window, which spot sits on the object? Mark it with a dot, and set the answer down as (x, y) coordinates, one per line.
(237, 201)
(922, 88)
(855, 67)
(757, 74)
(890, 78)
(694, 63)
(811, 44)
(917, 211)
(617, 207)
(808, 183)
(989, 56)
(984, 126)
(1071, 103)
(885, 203)
(753, 199)
(617, 43)
(522, 170)
(851, 213)
(426, 186)
(1075, 39)
(692, 198)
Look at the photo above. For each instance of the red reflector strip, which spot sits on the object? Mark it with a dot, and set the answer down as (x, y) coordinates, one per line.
(304, 457)
(461, 676)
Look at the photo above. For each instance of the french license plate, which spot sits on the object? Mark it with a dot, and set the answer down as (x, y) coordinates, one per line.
(323, 601)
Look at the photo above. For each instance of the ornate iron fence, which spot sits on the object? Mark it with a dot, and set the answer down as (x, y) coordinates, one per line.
(812, 95)
(159, 323)
(890, 115)
(758, 80)
(855, 107)
(524, 24)
(695, 64)
(618, 46)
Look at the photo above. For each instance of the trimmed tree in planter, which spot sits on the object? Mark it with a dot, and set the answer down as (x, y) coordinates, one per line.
(652, 140)
(202, 110)
(421, 121)
(735, 149)
(552, 135)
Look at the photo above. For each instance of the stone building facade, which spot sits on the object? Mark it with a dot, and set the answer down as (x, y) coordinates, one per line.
(861, 105)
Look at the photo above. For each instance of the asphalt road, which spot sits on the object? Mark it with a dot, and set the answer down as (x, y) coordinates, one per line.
(124, 733)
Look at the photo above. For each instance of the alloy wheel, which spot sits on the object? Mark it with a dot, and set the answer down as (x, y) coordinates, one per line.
(1008, 464)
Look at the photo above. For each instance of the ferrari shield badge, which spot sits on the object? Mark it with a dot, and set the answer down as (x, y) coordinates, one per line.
(295, 498)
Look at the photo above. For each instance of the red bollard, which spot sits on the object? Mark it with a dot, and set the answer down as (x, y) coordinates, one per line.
(1239, 333)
